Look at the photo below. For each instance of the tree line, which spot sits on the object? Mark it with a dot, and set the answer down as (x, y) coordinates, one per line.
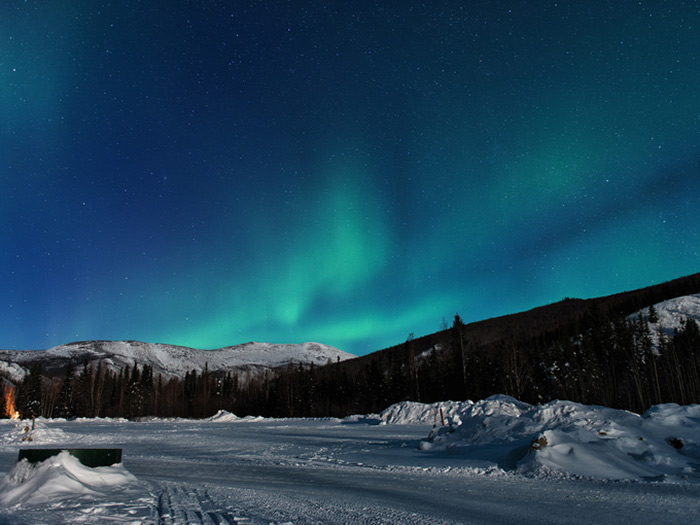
(614, 361)
(133, 392)
(596, 351)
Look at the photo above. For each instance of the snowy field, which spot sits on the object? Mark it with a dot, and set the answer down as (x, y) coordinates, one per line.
(496, 461)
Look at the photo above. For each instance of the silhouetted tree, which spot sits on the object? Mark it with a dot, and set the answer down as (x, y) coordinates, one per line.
(30, 394)
(65, 405)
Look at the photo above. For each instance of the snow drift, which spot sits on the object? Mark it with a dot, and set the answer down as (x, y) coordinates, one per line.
(570, 439)
(411, 412)
(63, 478)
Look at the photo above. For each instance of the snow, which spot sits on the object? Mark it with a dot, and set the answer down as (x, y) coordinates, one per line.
(12, 371)
(24, 433)
(173, 361)
(223, 416)
(567, 439)
(497, 460)
(670, 315)
(63, 478)
(410, 412)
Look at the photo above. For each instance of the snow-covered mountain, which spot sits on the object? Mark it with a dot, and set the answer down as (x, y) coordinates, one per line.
(168, 360)
(176, 361)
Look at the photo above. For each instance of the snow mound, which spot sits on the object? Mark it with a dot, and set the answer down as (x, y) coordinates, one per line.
(570, 439)
(413, 413)
(252, 419)
(222, 416)
(63, 478)
(453, 412)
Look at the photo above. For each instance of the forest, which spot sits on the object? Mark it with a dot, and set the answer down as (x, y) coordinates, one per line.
(588, 351)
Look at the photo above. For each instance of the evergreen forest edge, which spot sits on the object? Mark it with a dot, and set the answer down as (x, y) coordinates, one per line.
(593, 351)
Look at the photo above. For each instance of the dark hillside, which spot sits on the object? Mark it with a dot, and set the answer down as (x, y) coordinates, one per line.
(583, 350)
(567, 316)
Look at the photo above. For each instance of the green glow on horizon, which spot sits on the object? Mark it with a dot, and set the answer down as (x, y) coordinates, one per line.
(348, 183)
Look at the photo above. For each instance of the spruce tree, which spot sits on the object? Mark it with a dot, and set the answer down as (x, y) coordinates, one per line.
(30, 398)
(653, 316)
(458, 342)
(64, 404)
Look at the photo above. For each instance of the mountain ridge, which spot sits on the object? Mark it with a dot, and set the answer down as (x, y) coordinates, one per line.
(168, 360)
(602, 351)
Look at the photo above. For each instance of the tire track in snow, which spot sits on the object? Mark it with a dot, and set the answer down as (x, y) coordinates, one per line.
(179, 504)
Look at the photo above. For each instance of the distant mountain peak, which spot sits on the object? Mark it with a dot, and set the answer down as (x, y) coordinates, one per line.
(169, 360)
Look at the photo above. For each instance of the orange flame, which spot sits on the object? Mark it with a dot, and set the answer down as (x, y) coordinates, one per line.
(10, 410)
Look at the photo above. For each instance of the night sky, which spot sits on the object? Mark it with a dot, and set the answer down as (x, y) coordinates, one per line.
(218, 172)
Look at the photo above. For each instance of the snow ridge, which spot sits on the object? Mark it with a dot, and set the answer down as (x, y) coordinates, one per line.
(563, 438)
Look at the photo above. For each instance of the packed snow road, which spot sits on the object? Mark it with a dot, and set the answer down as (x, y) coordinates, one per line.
(261, 471)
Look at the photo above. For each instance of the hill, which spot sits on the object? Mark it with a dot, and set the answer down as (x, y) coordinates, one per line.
(630, 350)
(167, 360)
(593, 351)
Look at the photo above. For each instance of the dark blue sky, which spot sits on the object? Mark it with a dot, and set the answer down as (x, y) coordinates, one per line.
(219, 172)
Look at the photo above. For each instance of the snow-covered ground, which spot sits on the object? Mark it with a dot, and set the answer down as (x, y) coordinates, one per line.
(563, 438)
(489, 464)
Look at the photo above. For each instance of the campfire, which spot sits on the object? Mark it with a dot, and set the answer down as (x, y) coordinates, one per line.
(10, 409)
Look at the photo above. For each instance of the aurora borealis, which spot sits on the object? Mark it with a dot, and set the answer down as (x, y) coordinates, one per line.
(340, 172)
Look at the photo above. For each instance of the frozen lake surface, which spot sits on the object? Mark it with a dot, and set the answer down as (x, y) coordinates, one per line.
(263, 471)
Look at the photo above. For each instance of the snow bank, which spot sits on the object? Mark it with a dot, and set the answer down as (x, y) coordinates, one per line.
(62, 478)
(101, 419)
(411, 412)
(252, 419)
(222, 416)
(37, 433)
(568, 438)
